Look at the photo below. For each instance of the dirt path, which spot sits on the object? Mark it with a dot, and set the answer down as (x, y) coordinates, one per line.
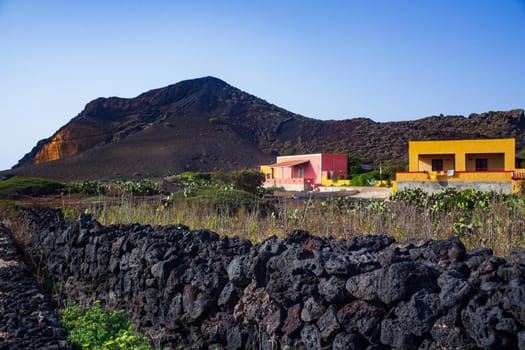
(372, 192)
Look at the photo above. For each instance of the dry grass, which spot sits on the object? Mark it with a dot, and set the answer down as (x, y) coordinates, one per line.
(19, 227)
(499, 227)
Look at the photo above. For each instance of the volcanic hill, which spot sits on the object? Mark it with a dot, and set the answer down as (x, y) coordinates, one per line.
(206, 124)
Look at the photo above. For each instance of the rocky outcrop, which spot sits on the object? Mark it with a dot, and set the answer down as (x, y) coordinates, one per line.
(27, 320)
(195, 289)
(70, 141)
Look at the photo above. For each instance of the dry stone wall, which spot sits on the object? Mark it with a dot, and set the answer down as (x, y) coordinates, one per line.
(194, 289)
(27, 320)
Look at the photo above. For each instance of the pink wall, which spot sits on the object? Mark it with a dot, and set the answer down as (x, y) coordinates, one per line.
(283, 173)
(311, 169)
(318, 165)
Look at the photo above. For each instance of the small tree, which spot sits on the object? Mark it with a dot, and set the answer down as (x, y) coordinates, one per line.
(248, 180)
(353, 165)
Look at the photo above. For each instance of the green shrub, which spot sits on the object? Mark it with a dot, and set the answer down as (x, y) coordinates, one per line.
(29, 186)
(416, 197)
(226, 201)
(244, 180)
(360, 180)
(353, 165)
(88, 187)
(193, 179)
(93, 328)
(221, 179)
(248, 180)
(447, 200)
(367, 179)
(144, 187)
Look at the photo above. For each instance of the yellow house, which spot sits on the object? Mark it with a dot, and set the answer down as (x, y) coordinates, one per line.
(488, 165)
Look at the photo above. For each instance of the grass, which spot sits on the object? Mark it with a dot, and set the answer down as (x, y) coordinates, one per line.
(478, 218)
(19, 226)
(500, 225)
(16, 187)
(8, 204)
(227, 201)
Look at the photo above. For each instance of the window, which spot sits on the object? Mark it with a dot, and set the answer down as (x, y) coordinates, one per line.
(482, 164)
(301, 172)
(437, 164)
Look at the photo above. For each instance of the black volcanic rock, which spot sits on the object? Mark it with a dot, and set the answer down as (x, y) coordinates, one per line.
(27, 318)
(205, 124)
(197, 290)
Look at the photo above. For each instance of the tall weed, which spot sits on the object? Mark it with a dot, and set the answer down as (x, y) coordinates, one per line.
(494, 221)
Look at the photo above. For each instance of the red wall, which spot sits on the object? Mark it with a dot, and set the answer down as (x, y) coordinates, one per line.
(335, 163)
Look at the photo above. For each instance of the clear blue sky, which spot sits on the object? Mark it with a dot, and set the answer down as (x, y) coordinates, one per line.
(383, 59)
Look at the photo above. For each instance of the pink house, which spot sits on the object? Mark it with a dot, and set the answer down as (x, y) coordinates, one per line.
(304, 172)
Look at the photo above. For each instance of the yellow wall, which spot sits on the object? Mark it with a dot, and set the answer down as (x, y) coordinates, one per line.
(460, 148)
(495, 161)
(325, 181)
(518, 186)
(425, 162)
(266, 170)
(474, 176)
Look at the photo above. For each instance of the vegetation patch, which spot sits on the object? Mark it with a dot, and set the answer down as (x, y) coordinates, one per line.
(144, 187)
(225, 201)
(93, 328)
(7, 204)
(234, 204)
(29, 186)
(368, 178)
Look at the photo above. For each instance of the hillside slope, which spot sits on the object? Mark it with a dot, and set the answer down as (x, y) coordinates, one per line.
(205, 124)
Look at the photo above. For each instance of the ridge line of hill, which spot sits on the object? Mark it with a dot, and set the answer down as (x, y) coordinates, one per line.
(206, 124)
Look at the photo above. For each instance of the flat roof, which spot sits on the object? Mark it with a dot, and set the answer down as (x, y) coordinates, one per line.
(463, 140)
(289, 163)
